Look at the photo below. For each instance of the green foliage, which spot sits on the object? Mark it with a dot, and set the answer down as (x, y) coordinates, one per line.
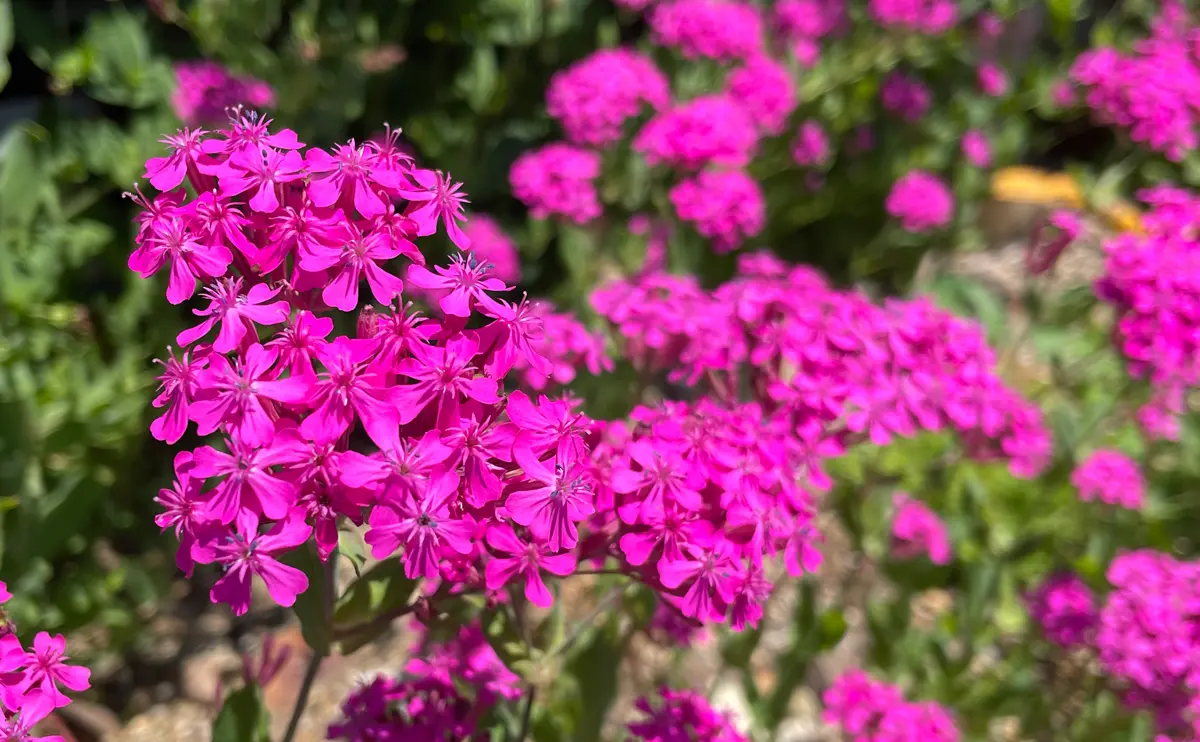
(243, 718)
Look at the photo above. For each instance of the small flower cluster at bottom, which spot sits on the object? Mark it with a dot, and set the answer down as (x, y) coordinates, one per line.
(31, 680)
(869, 710)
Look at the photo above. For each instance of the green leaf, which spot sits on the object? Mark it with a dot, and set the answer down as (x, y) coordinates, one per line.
(477, 83)
(243, 718)
(382, 589)
(310, 604)
(595, 669)
(6, 40)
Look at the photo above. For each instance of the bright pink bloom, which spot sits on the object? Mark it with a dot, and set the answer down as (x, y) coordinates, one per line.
(558, 180)
(422, 525)
(248, 485)
(1112, 478)
(594, 97)
(524, 560)
(921, 202)
(247, 553)
(237, 314)
(917, 530)
(170, 240)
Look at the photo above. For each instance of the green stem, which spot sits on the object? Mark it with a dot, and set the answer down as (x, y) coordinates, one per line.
(526, 715)
(314, 662)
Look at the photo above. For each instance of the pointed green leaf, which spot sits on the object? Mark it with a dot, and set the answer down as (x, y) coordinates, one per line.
(243, 718)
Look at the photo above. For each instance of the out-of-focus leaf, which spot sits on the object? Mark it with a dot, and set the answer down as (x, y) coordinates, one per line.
(243, 718)
(595, 669)
(380, 589)
(311, 604)
(6, 40)
(477, 84)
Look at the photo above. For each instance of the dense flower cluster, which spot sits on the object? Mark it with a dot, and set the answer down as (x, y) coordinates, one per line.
(905, 97)
(831, 362)
(682, 716)
(1152, 278)
(924, 16)
(493, 247)
(1151, 89)
(558, 180)
(1065, 608)
(976, 149)
(1110, 477)
(566, 345)
(1147, 637)
(206, 90)
(445, 690)
(804, 23)
(765, 89)
(280, 237)
(811, 147)
(32, 680)
(921, 202)
(726, 206)
(710, 129)
(917, 531)
(870, 710)
(992, 80)
(724, 30)
(593, 98)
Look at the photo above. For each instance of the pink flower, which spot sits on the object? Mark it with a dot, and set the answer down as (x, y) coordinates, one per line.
(246, 553)
(178, 385)
(905, 97)
(443, 376)
(169, 239)
(709, 129)
(206, 91)
(921, 202)
(716, 29)
(248, 485)
(917, 530)
(526, 560)
(765, 89)
(45, 668)
(493, 249)
(992, 80)
(1065, 608)
(682, 715)
(352, 173)
(350, 389)
(235, 394)
(236, 313)
(558, 180)
(1111, 477)
(262, 171)
(356, 255)
(422, 526)
(559, 499)
(466, 280)
(976, 149)
(924, 16)
(435, 198)
(811, 147)
(594, 97)
(724, 206)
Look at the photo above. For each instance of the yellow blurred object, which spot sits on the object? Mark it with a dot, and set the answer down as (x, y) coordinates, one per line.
(1028, 185)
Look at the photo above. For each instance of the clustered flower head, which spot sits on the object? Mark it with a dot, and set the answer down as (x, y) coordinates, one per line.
(558, 180)
(1065, 608)
(765, 89)
(921, 201)
(32, 680)
(1146, 638)
(804, 23)
(918, 531)
(992, 80)
(922, 16)
(811, 147)
(723, 30)
(444, 691)
(404, 425)
(205, 90)
(566, 344)
(1152, 279)
(710, 129)
(1110, 477)
(726, 206)
(870, 710)
(905, 97)
(682, 716)
(1153, 89)
(493, 247)
(593, 98)
(976, 149)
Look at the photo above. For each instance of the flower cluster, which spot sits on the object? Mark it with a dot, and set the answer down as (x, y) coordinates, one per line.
(491, 246)
(811, 147)
(765, 89)
(1065, 608)
(280, 238)
(1110, 477)
(566, 345)
(714, 29)
(923, 16)
(205, 91)
(444, 692)
(558, 179)
(682, 716)
(31, 680)
(593, 98)
(1152, 278)
(905, 97)
(804, 23)
(921, 202)
(917, 531)
(976, 149)
(837, 366)
(1151, 89)
(870, 710)
(725, 206)
(710, 129)
(1146, 637)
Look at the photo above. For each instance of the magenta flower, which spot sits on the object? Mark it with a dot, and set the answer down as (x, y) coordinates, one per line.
(443, 376)
(351, 170)
(299, 341)
(465, 279)
(1112, 478)
(552, 509)
(246, 553)
(436, 198)
(166, 173)
(526, 560)
(19, 726)
(235, 394)
(359, 255)
(350, 389)
(237, 314)
(921, 202)
(170, 239)
(917, 530)
(248, 485)
(400, 472)
(46, 668)
(708, 575)
(260, 170)
(423, 526)
(177, 389)
(182, 510)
